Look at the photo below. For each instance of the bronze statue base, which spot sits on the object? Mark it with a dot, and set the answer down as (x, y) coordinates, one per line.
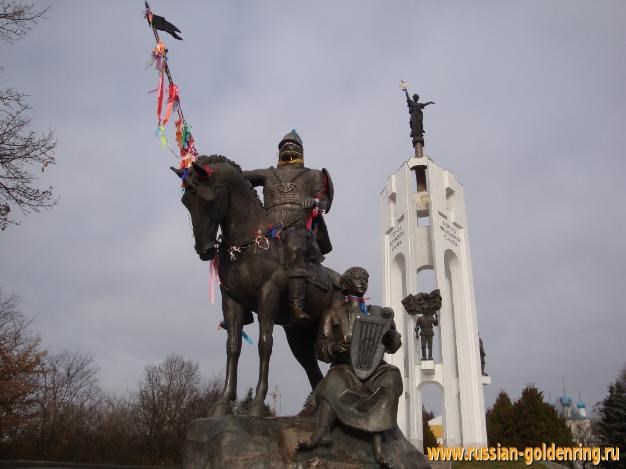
(269, 442)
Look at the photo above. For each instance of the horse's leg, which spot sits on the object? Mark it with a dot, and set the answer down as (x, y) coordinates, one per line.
(268, 306)
(301, 340)
(233, 317)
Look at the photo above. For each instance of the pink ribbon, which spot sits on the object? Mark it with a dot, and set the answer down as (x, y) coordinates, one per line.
(160, 97)
(214, 279)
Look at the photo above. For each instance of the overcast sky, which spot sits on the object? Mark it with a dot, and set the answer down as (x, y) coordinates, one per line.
(529, 115)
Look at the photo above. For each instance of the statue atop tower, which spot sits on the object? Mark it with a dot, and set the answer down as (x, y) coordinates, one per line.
(416, 111)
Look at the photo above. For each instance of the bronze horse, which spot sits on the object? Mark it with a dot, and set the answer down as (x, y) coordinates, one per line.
(252, 276)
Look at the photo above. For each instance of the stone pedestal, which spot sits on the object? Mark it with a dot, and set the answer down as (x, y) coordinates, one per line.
(427, 366)
(235, 442)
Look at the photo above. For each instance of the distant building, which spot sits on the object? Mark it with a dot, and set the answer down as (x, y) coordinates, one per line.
(436, 426)
(576, 418)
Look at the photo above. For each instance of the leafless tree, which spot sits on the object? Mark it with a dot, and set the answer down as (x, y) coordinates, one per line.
(67, 399)
(20, 147)
(170, 396)
(117, 438)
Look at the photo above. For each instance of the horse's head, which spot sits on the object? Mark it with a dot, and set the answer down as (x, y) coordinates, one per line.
(206, 198)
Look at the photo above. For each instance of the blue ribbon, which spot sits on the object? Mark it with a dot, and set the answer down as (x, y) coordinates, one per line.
(246, 337)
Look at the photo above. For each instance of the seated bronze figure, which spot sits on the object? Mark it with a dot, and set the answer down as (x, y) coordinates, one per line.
(361, 390)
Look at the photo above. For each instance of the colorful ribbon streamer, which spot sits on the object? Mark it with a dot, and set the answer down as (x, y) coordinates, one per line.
(360, 300)
(214, 278)
(246, 337)
(172, 101)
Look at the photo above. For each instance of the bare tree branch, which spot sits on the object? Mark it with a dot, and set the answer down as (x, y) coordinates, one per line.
(170, 396)
(17, 19)
(20, 147)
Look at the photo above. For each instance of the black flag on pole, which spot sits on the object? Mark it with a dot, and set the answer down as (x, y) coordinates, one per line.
(160, 23)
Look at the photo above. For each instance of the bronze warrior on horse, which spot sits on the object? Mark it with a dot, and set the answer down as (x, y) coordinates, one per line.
(268, 257)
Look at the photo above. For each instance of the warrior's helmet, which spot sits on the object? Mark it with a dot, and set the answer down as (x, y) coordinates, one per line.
(290, 149)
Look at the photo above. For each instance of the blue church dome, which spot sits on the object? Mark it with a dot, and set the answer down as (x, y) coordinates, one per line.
(565, 400)
(581, 405)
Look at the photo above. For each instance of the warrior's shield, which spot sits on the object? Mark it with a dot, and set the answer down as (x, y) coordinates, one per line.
(367, 350)
(330, 189)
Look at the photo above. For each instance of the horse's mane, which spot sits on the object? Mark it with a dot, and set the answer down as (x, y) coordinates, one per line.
(213, 159)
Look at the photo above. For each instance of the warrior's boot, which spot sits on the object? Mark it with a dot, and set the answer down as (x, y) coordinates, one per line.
(297, 289)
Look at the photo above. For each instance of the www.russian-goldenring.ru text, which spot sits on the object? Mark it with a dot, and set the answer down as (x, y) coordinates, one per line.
(545, 452)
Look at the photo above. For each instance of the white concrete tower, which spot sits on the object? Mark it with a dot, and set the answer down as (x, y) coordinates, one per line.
(425, 227)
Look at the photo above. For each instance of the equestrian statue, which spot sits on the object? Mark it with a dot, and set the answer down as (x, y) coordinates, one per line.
(269, 256)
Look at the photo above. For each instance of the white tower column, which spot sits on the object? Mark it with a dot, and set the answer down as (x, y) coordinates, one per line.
(425, 227)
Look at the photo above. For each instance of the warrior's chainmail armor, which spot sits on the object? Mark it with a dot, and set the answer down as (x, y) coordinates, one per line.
(288, 193)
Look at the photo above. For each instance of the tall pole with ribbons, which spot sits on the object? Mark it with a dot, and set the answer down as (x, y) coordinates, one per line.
(185, 141)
